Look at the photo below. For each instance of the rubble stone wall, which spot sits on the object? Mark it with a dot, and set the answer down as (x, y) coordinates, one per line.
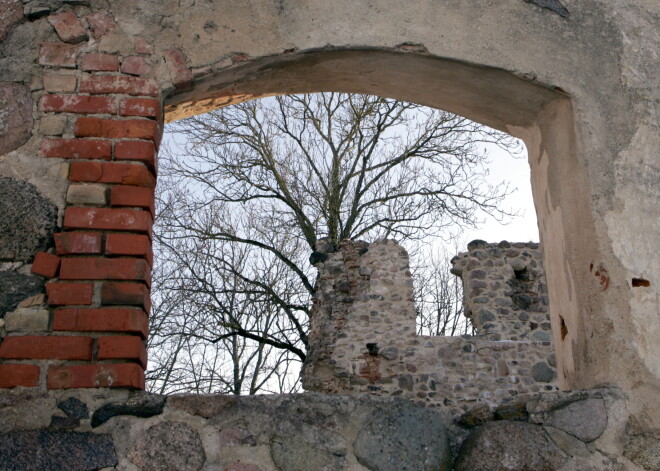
(363, 336)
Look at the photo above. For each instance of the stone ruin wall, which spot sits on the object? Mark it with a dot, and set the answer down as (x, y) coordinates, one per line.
(363, 336)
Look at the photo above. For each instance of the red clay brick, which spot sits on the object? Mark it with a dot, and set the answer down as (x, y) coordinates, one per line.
(78, 243)
(101, 24)
(77, 148)
(135, 65)
(147, 107)
(142, 46)
(46, 348)
(45, 264)
(58, 55)
(143, 151)
(123, 195)
(130, 294)
(81, 104)
(68, 27)
(179, 71)
(18, 375)
(109, 319)
(125, 375)
(117, 129)
(129, 244)
(107, 219)
(121, 173)
(122, 347)
(61, 294)
(105, 84)
(91, 268)
(100, 62)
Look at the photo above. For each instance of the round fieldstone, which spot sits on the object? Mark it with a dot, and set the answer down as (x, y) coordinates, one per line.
(542, 372)
(294, 454)
(403, 437)
(27, 220)
(509, 446)
(15, 116)
(168, 445)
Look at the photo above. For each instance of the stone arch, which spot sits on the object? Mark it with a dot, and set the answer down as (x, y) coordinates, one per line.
(590, 143)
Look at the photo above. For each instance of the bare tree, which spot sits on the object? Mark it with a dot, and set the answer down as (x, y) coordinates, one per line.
(249, 189)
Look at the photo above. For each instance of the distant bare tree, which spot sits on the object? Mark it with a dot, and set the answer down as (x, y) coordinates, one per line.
(253, 189)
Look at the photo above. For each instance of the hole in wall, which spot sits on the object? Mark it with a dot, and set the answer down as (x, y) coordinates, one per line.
(640, 282)
(563, 329)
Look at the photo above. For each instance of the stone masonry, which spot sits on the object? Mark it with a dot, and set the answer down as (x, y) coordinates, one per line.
(363, 327)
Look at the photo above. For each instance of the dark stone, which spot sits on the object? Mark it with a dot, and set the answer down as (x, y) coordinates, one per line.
(74, 408)
(63, 423)
(317, 257)
(516, 411)
(552, 5)
(326, 245)
(509, 446)
(168, 445)
(478, 415)
(522, 301)
(403, 437)
(543, 373)
(16, 119)
(15, 287)
(27, 220)
(504, 244)
(36, 12)
(476, 244)
(38, 450)
(140, 405)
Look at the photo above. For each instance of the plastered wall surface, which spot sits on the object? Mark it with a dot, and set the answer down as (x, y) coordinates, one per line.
(86, 85)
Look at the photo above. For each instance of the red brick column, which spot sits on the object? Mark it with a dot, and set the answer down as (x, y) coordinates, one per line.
(100, 112)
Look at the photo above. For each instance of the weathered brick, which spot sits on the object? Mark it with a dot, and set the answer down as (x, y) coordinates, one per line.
(100, 62)
(60, 83)
(124, 347)
(123, 195)
(53, 125)
(27, 320)
(118, 129)
(67, 243)
(82, 104)
(107, 219)
(130, 294)
(124, 375)
(77, 148)
(135, 65)
(87, 194)
(47, 347)
(100, 268)
(129, 244)
(147, 107)
(18, 375)
(68, 27)
(68, 294)
(120, 173)
(179, 71)
(142, 46)
(105, 84)
(108, 319)
(45, 264)
(144, 151)
(100, 23)
(58, 55)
